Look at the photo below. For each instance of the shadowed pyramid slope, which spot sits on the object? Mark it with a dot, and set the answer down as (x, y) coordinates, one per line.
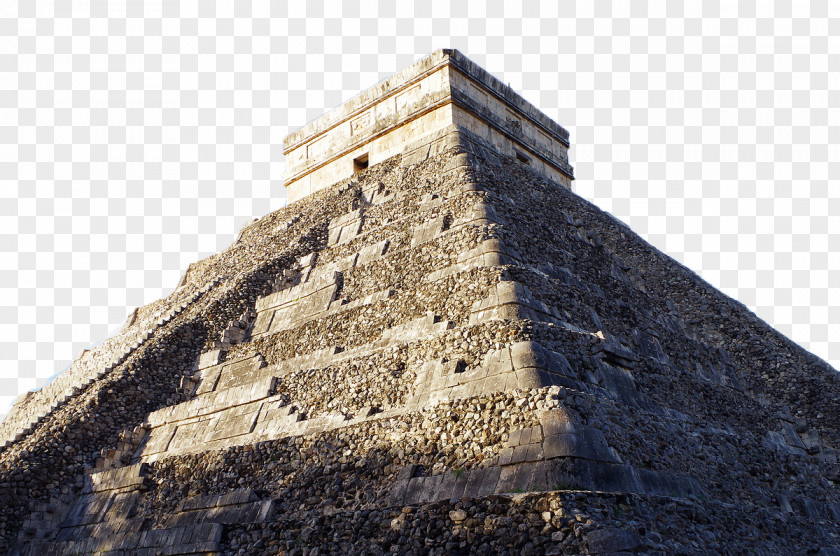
(445, 353)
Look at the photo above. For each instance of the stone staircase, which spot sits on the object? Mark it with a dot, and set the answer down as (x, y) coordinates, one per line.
(30, 410)
(103, 520)
(46, 518)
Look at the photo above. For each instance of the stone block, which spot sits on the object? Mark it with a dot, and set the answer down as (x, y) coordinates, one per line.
(88, 509)
(499, 383)
(533, 378)
(514, 439)
(372, 252)
(614, 378)
(649, 346)
(498, 362)
(414, 490)
(807, 507)
(397, 494)
(543, 476)
(608, 477)
(447, 484)
(615, 351)
(128, 477)
(427, 231)
(506, 456)
(523, 477)
(555, 421)
(122, 506)
(345, 228)
(133, 526)
(416, 156)
(532, 435)
(520, 454)
(529, 354)
(473, 486)
(568, 445)
(490, 481)
(792, 437)
(159, 439)
(209, 358)
(460, 485)
(676, 485)
(430, 488)
(346, 218)
(535, 452)
(507, 476)
(208, 379)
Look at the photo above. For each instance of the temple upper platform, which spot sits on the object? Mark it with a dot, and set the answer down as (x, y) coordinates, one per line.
(443, 91)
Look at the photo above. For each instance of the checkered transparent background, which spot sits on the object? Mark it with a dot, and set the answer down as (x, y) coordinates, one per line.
(137, 137)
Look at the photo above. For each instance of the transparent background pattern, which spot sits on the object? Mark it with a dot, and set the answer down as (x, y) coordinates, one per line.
(137, 137)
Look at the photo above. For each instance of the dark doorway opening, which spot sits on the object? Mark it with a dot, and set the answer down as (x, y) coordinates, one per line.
(360, 163)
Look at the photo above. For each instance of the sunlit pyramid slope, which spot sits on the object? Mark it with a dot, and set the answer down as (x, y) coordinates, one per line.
(437, 348)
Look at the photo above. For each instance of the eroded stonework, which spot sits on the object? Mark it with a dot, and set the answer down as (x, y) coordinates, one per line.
(446, 353)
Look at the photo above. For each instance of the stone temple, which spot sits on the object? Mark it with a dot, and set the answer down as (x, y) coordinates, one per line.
(435, 348)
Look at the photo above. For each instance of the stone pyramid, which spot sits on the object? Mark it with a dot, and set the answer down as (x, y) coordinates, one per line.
(436, 348)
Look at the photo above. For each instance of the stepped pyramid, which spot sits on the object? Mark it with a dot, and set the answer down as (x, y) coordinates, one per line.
(435, 348)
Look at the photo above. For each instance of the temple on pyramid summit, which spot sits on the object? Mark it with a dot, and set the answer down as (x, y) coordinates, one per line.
(436, 347)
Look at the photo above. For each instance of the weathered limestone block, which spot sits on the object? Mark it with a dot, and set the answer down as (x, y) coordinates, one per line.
(346, 227)
(521, 365)
(481, 213)
(239, 506)
(779, 441)
(511, 301)
(239, 372)
(88, 509)
(503, 303)
(124, 478)
(370, 299)
(440, 380)
(233, 422)
(612, 541)
(315, 359)
(531, 355)
(310, 299)
(428, 231)
(209, 358)
(649, 346)
(584, 442)
(488, 254)
(372, 252)
(122, 506)
(619, 381)
(612, 350)
(185, 438)
(415, 329)
(317, 281)
(376, 193)
(459, 161)
(159, 440)
(254, 512)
